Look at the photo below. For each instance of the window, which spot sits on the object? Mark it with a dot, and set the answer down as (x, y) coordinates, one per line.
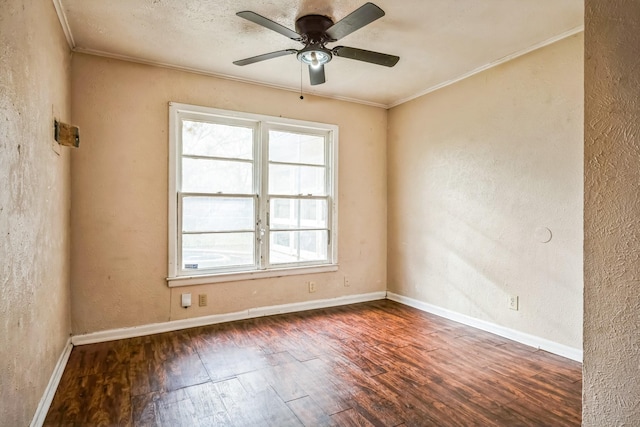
(249, 196)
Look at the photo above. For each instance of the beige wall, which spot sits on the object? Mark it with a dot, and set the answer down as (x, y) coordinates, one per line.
(611, 373)
(467, 189)
(119, 255)
(475, 169)
(34, 205)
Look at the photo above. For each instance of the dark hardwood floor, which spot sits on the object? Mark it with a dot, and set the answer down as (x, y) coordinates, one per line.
(371, 364)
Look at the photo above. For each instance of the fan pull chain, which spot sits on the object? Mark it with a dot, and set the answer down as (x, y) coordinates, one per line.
(301, 72)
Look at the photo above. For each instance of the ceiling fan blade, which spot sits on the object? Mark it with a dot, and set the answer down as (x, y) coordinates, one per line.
(364, 15)
(265, 56)
(268, 23)
(316, 75)
(366, 56)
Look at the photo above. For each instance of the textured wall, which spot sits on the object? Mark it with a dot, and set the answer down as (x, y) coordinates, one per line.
(119, 235)
(475, 169)
(611, 391)
(34, 205)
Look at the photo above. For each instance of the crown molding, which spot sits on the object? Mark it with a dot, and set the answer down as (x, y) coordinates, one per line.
(562, 36)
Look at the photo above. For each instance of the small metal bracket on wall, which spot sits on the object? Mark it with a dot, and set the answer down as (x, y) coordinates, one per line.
(66, 135)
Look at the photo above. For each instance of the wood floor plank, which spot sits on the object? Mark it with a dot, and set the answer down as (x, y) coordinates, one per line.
(419, 408)
(534, 415)
(309, 413)
(328, 392)
(541, 395)
(232, 362)
(178, 414)
(210, 339)
(329, 397)
(351, 418)
(265, 398)
(284, 383)
(249, 409)
(208, 403)
(143, 410)
(371, 364)
(238, 403)
(273, 409)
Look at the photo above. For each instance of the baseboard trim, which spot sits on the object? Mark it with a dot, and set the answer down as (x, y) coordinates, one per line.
(176, 325)
(512, 334)
(50, 391)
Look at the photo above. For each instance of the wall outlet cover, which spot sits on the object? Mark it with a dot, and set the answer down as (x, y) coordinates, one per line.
(186, 300)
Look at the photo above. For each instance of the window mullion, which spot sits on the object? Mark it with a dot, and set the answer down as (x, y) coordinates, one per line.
(262, 165)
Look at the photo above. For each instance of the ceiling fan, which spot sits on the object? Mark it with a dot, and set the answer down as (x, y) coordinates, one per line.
(314, 32)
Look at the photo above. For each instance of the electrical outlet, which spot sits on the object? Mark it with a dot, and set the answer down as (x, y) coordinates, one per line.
(202, 300)
(513, 302)
(312, 287)
(185, 300)
(346, 282)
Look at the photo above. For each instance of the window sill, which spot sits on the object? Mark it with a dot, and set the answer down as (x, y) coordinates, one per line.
(174, 282)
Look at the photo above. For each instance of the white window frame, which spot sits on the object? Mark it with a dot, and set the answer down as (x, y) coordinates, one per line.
(262, 124)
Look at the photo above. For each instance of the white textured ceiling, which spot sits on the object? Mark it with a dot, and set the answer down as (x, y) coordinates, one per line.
(438, 41)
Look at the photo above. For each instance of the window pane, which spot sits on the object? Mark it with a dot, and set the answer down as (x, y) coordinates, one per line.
(296, 148)
(297, 246)
(217, 214)
(210, 139)
(294, 180)
(298, 213)
(212, 176)
(200, 251)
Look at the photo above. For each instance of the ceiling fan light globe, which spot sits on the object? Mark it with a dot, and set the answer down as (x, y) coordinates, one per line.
(314, 56)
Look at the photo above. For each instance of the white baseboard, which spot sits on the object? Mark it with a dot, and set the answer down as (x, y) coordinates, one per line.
(175, 325)
(50, 391)
(512, 334)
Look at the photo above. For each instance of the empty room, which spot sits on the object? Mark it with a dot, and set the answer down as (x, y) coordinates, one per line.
(305, 213)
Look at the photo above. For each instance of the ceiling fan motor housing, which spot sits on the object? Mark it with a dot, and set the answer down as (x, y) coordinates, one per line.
(314, 29)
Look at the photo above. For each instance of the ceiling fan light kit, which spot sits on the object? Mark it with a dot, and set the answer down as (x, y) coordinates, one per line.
(314, 56)
(314, 32)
